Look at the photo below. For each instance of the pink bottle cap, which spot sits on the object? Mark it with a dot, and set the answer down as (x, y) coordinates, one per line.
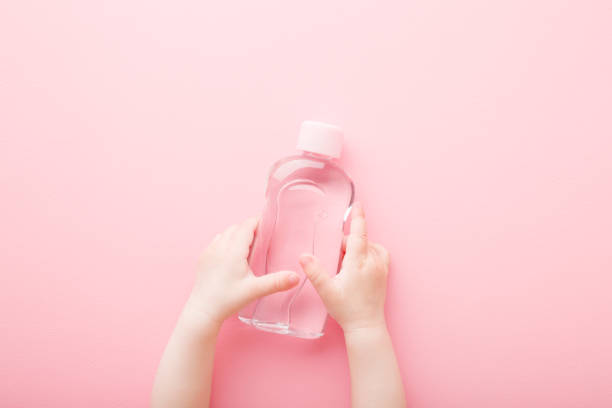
(321, 138)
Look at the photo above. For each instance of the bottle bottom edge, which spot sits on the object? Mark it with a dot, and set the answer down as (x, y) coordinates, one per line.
(279, 328)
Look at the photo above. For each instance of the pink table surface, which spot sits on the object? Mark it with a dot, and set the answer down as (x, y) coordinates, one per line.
(479, 135)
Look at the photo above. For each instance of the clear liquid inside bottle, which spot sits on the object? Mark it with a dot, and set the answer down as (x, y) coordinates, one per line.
(307, 200)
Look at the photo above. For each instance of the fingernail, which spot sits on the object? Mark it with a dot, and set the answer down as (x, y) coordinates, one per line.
(358, 207)
(306, 258)
(293, 278)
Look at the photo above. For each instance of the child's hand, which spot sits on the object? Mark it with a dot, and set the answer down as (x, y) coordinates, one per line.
(355, 297)
(225, 284)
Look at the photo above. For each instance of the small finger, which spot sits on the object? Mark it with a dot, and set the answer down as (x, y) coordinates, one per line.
(357, 240)
(271, 283)
(243, 236)
(381, 251)
(229, 231)
(316, 274)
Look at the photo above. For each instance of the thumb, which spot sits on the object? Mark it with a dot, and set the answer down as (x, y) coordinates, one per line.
(272, 283)
(316, 274)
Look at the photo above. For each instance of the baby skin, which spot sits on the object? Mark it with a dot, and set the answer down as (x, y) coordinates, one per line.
(355, 298)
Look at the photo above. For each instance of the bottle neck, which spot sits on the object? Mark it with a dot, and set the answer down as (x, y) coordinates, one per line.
(314, 155)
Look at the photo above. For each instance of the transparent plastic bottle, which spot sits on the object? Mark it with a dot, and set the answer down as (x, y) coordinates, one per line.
(308, 198)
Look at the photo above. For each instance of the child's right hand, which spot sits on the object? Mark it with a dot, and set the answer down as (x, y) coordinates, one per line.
(355, 297)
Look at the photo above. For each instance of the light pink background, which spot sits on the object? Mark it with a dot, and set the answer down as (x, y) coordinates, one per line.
(479, 135)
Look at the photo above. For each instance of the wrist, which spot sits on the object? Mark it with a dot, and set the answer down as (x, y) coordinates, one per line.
(366, 339)
(365, 329)
(198, 318)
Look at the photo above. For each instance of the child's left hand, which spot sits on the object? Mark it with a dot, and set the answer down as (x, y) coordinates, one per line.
(225, 283)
